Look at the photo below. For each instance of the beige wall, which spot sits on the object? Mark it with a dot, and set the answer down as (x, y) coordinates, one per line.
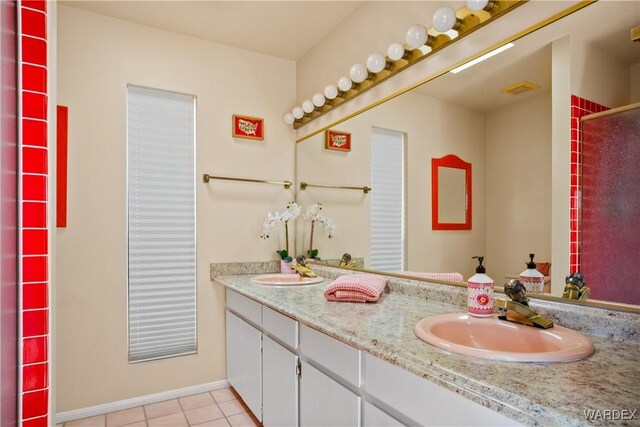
(433, 128)
(98, 57)
(598, 76)
(518, 185)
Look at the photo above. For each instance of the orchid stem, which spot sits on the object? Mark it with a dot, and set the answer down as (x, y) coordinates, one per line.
(311, 241)
(286, 235)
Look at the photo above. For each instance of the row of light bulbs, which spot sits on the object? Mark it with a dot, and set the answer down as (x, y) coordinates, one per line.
(444, 19)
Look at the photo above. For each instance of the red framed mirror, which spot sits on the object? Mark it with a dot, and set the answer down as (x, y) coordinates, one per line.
(450, 193)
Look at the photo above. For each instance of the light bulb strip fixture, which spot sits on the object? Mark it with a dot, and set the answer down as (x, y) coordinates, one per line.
(379, 67)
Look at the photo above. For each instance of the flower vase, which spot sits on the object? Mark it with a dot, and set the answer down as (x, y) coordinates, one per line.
(285, 267)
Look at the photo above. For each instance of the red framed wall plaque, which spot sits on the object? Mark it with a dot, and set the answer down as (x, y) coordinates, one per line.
(336, 140)
(247, 127)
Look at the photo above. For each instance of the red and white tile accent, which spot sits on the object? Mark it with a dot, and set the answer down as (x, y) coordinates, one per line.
(33, 387)
(579, 107)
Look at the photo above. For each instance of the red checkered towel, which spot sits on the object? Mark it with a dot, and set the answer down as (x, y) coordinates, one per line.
(451, 277)
(356, 288)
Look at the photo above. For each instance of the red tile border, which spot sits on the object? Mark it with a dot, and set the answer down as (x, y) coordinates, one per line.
(35, 404)
(36, 422)
(34, 269)
(33, 390)
(34, 215)
(34, 296)
(34, 51)
(34, 242)
(34, 132)
(35, 376)
(34, 160)
(34, 187)
(34, 78)
(34, 350)
(35, 323)
(34, 105)
(35, 4)
(34, 23)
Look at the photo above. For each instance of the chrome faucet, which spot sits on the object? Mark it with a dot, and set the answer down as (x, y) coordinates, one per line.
(517, 310)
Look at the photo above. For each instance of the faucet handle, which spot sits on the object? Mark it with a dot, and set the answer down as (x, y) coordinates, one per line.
(515, 290)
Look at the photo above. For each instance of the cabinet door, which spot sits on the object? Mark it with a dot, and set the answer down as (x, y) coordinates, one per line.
(375, 417)
(280, 385)
(324, 402)
(243, 362)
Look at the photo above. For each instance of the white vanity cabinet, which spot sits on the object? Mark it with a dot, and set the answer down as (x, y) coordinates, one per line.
(325, 402)
(280, 385)
(293, 375)
(244, 362)
(423, 401)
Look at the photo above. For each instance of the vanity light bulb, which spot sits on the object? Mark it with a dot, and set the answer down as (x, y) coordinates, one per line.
(358, 73)
(330, 92)
(318, 100)
(297, 113)
(288, 118)
(307, 106)
(444, 19)
(376, 62)
(344, 83)
(416, 36)
(477, 5)
(395, 51)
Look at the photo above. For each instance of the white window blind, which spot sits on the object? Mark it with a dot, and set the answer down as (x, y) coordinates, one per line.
(161, 224)
(387, 200)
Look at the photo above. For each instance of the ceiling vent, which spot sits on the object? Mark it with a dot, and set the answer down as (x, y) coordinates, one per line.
(521, 87)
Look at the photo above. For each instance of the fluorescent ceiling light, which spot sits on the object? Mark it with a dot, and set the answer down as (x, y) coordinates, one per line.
(482, 58)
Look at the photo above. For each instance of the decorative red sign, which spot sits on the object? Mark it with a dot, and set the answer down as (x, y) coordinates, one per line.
(336, 140)
(247, 127)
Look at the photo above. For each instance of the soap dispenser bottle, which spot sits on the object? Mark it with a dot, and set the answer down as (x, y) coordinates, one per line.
(480, 301)
(532, 279)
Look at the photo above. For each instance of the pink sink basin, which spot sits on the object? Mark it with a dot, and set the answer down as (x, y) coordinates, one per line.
(286, 280)
(491, 338)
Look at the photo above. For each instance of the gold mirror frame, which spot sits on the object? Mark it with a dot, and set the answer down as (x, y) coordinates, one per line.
(597, 304)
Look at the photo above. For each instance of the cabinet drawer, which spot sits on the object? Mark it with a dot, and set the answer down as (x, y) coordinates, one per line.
(338, 357)
(423, 401)
(280, 326)
(245, 307)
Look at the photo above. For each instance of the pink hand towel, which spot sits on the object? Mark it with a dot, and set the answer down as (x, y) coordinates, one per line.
(451, 277)
(356, 288)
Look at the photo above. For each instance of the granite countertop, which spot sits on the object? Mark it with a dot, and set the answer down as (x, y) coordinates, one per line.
(529, 393)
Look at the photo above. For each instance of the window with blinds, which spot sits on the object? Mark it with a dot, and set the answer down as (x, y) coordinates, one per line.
(161, 224)
(387, 200)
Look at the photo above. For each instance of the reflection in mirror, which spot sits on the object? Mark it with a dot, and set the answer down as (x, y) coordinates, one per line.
(451, 193)
(502, 116)
(611, 228)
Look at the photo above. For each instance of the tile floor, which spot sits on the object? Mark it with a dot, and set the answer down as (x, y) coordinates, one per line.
(218, 408)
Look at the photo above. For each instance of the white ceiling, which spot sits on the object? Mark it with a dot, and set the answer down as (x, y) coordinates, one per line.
(285, 29)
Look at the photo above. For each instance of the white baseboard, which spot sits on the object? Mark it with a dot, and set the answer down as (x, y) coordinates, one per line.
(91, 411)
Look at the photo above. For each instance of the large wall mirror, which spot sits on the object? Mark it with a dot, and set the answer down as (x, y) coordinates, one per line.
(497, 115)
